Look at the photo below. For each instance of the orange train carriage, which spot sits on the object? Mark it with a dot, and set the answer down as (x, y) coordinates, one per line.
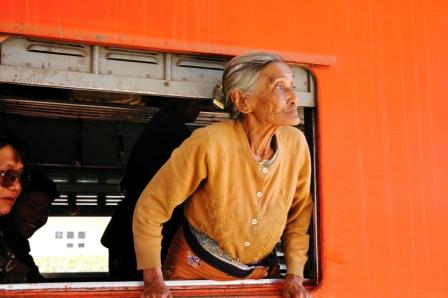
(373, 99)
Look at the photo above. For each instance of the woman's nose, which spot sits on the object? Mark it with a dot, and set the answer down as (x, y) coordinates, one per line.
(292, 97)
(15, 186)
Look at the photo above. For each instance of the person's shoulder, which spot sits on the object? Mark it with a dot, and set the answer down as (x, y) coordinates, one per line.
(216, 137)
(217, 130)
(292, 136)
(291, 132)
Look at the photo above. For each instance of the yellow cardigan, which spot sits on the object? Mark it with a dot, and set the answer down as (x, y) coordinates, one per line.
(241, 205)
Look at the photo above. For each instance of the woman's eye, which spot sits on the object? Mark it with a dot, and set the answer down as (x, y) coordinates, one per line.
(279, 86)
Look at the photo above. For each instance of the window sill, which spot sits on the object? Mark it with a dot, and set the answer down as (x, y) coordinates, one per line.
(192, 288)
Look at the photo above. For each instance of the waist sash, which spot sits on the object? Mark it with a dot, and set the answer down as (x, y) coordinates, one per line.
(231, 269)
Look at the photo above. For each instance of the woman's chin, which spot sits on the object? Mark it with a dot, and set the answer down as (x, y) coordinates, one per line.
(294, 121)
(5, 209)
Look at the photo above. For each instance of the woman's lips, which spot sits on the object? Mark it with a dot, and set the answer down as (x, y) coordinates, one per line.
(11, 199)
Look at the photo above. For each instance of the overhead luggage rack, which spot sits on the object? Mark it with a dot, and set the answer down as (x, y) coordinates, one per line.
(58, 109)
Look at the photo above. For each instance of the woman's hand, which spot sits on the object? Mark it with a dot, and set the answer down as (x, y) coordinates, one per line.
(293, 287)
(154, 284)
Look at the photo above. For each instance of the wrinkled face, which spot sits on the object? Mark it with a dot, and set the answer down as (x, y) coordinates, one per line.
(31, 213)
(9, 191)
(274, 100)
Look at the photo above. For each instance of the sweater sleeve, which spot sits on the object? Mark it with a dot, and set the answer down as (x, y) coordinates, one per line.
(173, 184)
(295, 236)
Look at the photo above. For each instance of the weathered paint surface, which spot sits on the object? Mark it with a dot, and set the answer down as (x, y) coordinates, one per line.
(382, 113)
(264, 288)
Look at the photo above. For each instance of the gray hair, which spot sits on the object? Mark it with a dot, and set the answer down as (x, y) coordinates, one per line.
(241, 73)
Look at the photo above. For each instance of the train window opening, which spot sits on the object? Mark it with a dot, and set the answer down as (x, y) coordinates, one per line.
(71, 254)
(82, 138)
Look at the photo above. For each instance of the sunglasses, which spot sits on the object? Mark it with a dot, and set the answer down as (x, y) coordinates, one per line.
(8, 178)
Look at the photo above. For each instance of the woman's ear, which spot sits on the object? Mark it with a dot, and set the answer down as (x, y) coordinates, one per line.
(241, 101)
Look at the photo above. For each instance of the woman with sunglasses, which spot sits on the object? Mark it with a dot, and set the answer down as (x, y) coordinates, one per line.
(28, 215)
(12, 153)
(12, 150)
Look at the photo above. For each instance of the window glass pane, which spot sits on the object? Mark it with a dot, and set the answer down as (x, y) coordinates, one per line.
(82, 254)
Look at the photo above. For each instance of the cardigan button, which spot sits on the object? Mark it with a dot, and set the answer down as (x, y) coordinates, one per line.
(247, 243)
(259, 194)
(265, 170)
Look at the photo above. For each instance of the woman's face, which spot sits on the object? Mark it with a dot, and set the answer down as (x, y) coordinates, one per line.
(9, 187)
(31, 213)
(274, 101)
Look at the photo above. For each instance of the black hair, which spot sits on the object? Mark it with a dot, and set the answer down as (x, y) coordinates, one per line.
(8, 137)
(41, 183)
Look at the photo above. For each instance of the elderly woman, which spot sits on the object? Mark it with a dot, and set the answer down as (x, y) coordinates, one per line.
(245, 183)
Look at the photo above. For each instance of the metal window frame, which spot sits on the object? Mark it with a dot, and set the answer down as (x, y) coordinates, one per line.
(95, 68)
(96, 75)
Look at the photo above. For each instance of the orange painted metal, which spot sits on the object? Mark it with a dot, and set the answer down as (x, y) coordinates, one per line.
(4, 37)
(382, 111)
(266, 290)
(165, 25)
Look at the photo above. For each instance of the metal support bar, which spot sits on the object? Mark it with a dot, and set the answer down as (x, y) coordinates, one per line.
(95, 59)
(112, 83)
(101, 82)
(168, 74)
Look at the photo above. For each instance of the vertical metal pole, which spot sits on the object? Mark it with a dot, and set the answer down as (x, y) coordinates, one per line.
(95, 59)
(167, 65)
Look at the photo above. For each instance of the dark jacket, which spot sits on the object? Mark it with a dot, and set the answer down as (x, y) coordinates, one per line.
(165, 132)
(16, 263)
